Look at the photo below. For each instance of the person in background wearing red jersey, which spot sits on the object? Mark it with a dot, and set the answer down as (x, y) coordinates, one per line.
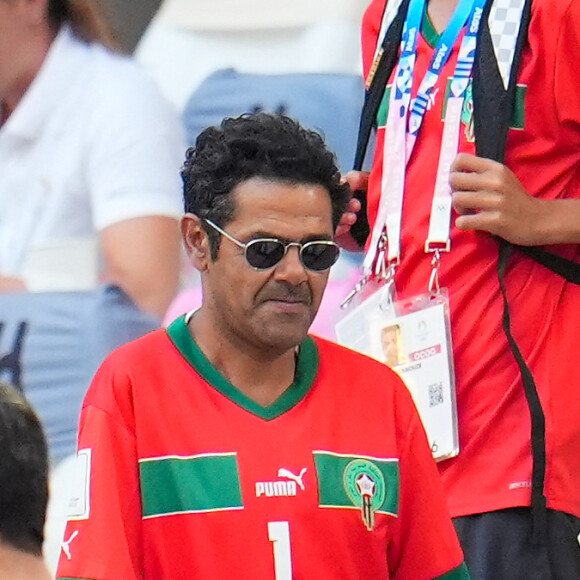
(233, 444)
(531, 199)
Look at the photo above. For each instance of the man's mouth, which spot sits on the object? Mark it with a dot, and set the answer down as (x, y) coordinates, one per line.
(288, 299)
(290, 296)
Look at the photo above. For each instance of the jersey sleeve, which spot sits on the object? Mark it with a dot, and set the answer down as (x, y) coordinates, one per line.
(102, 540)
(424, 544)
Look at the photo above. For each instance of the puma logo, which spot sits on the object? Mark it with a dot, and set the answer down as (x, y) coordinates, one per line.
(66, 545)
(282, 472)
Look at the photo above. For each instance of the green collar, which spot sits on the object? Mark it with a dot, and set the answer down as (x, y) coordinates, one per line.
(306, 369)
(428, 31)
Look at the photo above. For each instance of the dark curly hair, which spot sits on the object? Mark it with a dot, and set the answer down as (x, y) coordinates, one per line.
(255, 145)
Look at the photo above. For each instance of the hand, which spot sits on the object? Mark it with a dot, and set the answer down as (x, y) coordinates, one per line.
(8, 284)
(357, 180)
(348, 218)
(489, 197)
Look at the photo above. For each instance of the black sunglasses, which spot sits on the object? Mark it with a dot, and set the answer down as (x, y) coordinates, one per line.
(265, 253)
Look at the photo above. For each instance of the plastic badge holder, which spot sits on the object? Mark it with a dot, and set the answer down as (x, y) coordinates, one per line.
(413, 337)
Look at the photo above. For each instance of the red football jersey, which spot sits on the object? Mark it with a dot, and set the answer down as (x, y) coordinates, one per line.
(186, 478)
(493, 469)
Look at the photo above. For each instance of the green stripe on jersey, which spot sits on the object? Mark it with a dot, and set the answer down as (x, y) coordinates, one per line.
(383, 111)
(179, 485)
(518, 120)
(342, 477)
(459, 573)
(518, 116)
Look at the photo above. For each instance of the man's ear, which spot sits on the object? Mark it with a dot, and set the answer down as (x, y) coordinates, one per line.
(196, 242)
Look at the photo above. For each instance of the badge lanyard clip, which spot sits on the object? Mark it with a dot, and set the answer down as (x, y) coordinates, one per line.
(385, 267)
(434, 287)
(384, 273)
(357, 288)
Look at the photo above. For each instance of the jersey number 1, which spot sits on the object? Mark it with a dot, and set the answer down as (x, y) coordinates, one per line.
(279, 535)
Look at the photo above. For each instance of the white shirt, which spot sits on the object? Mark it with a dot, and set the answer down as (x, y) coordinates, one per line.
(92, 143)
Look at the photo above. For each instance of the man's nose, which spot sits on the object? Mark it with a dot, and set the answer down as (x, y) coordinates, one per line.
(290, 268)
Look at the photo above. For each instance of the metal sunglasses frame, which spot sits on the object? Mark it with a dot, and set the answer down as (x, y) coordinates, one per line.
(286, 245)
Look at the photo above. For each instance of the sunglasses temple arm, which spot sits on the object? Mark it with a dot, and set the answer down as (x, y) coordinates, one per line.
(225, 234)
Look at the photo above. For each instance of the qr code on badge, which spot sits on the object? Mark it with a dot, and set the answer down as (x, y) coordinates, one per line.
(435, 394)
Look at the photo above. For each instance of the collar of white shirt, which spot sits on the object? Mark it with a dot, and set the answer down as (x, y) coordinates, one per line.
(49, 86)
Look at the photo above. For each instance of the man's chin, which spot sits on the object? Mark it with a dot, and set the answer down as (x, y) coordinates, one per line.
(283, 335)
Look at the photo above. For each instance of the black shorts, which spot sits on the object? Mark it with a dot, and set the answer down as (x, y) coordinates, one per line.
(498, 546)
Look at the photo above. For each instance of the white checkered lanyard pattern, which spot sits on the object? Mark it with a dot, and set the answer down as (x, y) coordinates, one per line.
(504, 23)
(404, 122)
(390, 14)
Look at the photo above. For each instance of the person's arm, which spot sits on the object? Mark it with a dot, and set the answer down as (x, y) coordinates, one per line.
(9, 284)
(135, 148)
(142, 257)
(103, 540)
(489, 197)
(424, 544)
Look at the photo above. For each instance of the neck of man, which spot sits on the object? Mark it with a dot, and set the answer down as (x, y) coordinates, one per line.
(260, 375)
(440, 13)
(18, 565)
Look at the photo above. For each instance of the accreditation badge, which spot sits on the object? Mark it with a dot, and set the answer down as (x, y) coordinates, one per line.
(412, 337)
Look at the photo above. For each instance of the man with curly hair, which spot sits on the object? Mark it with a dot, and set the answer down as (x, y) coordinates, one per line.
(233, 444)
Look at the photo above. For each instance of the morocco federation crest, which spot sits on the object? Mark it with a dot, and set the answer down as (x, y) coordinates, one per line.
(365, 486)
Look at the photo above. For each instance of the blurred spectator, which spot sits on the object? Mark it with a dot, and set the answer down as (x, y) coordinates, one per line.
(23, 489)
(254, 36)
(89, 158)
(130, 19)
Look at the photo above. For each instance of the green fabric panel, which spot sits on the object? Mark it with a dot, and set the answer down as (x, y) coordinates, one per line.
(384, 108)
(203, 483)
(459, 573)
(519, 114)
(333, 482)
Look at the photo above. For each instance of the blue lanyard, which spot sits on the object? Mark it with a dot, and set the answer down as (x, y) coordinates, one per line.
(406, 66)
(401, 132)
(466, 57)
(463, 67)
(468, 11)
